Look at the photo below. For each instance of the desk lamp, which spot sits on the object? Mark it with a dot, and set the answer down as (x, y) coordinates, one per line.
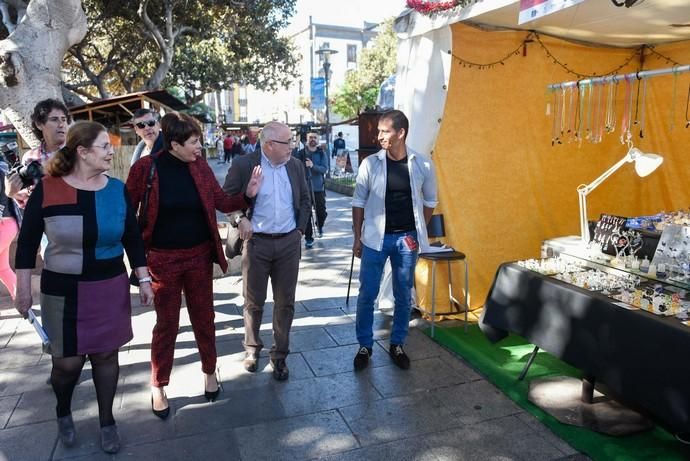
(645, 164)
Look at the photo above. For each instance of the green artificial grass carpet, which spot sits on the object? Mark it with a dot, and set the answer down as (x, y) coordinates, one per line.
(501, 364)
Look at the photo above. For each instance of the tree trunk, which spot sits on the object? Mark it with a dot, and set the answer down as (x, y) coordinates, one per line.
(31, 58)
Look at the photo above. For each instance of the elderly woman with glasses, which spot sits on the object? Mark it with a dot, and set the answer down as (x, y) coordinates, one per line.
(182, 242)
(85, 302)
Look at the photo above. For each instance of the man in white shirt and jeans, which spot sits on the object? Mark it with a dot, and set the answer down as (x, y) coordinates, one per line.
(394, 199)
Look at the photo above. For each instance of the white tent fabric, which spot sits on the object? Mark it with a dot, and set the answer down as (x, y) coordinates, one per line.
(421, 86)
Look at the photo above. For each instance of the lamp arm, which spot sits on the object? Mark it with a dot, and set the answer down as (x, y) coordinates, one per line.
(587, 188)
(583, 190)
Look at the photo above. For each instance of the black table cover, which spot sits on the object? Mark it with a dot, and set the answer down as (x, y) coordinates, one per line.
(643, 358)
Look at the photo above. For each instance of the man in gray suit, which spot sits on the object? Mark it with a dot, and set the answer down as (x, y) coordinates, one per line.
(272, 230)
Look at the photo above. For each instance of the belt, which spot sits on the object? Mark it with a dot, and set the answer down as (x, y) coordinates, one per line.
(271, 236)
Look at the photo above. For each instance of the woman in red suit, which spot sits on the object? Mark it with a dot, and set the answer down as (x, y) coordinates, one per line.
(180, 232)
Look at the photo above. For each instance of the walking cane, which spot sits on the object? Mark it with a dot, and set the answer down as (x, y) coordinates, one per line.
(349, 282)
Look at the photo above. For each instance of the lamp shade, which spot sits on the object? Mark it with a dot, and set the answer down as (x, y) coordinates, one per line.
(645, 164)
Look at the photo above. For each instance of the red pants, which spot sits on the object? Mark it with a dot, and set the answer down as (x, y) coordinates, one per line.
(172, 271)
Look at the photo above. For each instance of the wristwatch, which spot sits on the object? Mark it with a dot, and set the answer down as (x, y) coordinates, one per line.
(145, 280)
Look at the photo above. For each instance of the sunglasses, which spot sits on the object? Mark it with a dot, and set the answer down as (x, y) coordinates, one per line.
(142, 125)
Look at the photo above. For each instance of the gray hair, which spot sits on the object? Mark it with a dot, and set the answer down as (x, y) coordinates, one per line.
(270, 130)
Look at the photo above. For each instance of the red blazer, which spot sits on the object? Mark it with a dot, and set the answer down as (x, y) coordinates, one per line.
(212, 198)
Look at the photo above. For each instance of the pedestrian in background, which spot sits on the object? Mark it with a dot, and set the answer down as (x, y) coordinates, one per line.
(49, 123)
(316, 164)
(272, 230)
(85, 304)
(147, 126)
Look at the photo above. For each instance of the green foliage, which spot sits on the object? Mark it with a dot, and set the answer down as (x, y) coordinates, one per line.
(215, 44)
(376, 63)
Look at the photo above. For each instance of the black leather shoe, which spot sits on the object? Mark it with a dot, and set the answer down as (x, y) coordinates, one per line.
(362, 358)
(280, 370)
(211, 396)
(251, 362)
(66, 430)
(399, 356)
(162, 414)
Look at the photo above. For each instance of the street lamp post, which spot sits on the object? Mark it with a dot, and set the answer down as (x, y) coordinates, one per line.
(326, 53)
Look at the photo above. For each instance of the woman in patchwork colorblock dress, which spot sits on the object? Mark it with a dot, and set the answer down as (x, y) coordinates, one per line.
(85, 303)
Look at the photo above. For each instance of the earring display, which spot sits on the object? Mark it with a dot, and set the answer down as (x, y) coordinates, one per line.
(622, 285)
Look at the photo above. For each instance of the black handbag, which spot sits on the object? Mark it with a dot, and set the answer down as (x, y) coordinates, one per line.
(233, 244)
(133, 279)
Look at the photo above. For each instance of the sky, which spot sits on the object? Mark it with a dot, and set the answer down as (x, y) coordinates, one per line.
(345, 12)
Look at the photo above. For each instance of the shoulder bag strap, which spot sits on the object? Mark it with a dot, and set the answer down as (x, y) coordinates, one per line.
(145, 202)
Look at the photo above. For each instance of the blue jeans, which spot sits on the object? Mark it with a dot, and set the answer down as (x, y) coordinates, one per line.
(403, 262)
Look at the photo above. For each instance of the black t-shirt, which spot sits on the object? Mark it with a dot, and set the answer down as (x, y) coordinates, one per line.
(181, 221)
(399, 213)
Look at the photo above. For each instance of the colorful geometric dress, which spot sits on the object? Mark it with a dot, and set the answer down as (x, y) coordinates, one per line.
(85, 304)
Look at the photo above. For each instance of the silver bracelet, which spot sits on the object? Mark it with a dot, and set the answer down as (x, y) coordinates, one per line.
(145, 280)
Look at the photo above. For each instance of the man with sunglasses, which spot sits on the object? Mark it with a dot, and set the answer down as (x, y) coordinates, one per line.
(148, 128)
(272, 230)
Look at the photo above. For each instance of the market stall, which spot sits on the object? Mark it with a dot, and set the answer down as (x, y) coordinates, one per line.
(478, 98)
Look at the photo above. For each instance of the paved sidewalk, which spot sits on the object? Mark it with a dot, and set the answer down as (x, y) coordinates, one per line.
(440, 409)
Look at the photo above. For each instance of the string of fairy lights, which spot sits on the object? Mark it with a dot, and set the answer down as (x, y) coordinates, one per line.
(587, 111)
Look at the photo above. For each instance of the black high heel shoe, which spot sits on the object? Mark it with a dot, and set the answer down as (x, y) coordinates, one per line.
(211, 396)
(162, 414)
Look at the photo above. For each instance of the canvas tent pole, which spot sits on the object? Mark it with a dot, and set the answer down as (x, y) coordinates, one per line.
(615, 78)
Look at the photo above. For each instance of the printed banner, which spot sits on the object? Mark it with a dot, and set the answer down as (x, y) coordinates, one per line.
(318, 93)
(533, 9)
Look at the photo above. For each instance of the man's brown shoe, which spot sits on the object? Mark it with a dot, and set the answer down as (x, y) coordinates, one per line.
(251, 362)
(280, 369)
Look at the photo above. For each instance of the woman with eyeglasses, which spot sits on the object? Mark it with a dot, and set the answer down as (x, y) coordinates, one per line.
(85, 304)
(180, 232)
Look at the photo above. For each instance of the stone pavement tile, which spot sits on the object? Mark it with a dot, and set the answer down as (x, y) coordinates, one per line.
(8, 326)
(244, 407)
(476, 401)
(35, 442)
(577, 457)
(139, 425)
(412, 449)
(24, 349)
(325, 393)
(458, 364)
(15, 380)
(88, 439)
(207, 446)
(320, 318)
(397, 418)
(345, 334)
(423, 376)
(39, 405)
(7, 405)
(235, 377)
(326, 302)
(502, 438)
(339, 359)
(305, 340)
(546, 434)
(297, 438)
(420, 346)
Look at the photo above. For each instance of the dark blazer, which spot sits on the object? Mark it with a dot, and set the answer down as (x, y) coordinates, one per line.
(212, 198)
(241, 172)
